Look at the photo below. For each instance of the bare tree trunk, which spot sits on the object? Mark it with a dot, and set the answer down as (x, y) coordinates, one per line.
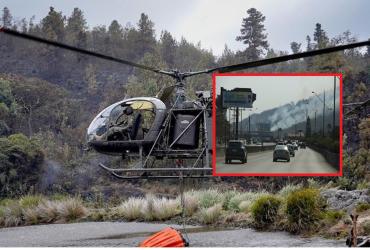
(29, 122)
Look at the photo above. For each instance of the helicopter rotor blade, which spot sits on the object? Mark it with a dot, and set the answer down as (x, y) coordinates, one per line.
(76, 49)
(258, 63)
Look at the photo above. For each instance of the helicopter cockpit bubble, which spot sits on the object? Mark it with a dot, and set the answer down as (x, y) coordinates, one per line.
(126, 121)
(99, 125)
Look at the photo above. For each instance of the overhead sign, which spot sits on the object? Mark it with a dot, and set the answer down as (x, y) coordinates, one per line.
(238, 97)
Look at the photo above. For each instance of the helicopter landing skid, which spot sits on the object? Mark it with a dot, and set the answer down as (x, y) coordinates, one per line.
(145, 173)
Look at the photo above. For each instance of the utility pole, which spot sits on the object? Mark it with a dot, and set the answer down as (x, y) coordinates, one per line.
(249, 126)
(323, 118)
(335, 84)
(241, 122)
(237, 123)
(225, 116)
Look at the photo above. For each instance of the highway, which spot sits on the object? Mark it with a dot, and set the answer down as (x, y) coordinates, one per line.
(305, 161)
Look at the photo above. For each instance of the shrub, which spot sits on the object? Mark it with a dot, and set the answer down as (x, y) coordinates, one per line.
(30, 201)
(361, 207)
(210, 215)
(288, 189)
(363, 185)
(264, 210)
(303, 209)
(333, 216)
(366, 227)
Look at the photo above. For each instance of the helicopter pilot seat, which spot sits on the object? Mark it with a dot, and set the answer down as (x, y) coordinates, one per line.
(125, 129)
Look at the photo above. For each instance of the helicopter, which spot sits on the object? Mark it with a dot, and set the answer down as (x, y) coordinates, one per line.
(162, 127)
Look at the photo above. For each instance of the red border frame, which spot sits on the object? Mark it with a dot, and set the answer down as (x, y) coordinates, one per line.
(340, 173)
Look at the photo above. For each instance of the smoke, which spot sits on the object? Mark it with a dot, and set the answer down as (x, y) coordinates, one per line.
(292, 113)
(50, 175)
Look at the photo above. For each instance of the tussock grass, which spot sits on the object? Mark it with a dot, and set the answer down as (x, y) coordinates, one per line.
(70, 210)
(246, 198)
(210, 215)
(288, 189)
(32, 210)
(265, 210)
(191, 204)
(208, 198)
(131, 209)
(303, 210)
(29, 201)
(164, 208)
(149, 208)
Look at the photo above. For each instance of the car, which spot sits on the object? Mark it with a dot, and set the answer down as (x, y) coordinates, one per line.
(281, 152)
(236, 150)
(295, 145)
(303, 145)
(291, 150)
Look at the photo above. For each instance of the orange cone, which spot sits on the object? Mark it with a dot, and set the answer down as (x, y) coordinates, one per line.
(168, 237)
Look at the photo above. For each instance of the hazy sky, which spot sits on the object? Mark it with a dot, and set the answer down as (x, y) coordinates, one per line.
(274, 91)
(215, 22)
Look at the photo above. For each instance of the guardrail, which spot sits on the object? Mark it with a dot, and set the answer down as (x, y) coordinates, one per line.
(332, 158)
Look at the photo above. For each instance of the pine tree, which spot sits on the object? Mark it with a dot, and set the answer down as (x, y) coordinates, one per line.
(76, 28)
(253, 34)
(295, 47)
(168, 46)
(146, 36)
(53, 25)
(6, 19)
(320, 37)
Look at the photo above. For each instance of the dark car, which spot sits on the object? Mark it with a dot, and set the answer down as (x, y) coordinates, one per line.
(281, 152)
(303, 145)
(235, 150)
(291, 150)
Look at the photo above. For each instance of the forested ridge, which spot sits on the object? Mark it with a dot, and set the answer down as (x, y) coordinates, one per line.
(48, 96)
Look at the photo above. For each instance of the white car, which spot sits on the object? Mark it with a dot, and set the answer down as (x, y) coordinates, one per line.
(281, 152)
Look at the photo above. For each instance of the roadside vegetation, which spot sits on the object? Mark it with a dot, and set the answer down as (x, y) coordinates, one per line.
(295, 209)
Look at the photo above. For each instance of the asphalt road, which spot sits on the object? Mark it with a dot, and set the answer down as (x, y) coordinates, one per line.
(123, 234)
(305, 161)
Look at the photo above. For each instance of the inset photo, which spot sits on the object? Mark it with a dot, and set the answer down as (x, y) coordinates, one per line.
(277, 124)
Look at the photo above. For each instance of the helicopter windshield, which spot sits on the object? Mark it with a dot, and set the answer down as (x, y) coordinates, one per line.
(98, 125)
(123, 121)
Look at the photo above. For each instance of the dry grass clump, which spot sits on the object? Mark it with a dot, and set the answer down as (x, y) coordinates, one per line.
(32, 210)
(265, 210)
(29, 201)
(164, 208)
(156, 208)
(70, 210)
(288, 189)
(242, 201)
(208, 198)
(149, 208)
(131, 208)
(210, 215)
(191, 204)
